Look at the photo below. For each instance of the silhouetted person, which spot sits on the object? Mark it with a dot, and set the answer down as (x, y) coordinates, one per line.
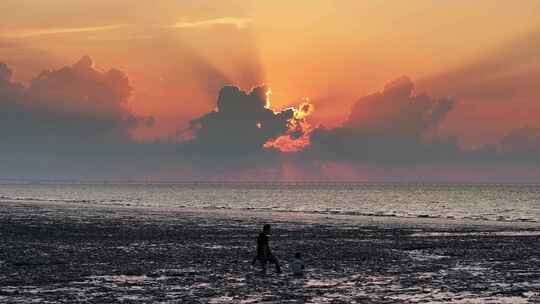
(297, 265)
(264, 255)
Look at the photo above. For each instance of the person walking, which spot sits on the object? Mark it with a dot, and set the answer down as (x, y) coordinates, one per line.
(264, 254)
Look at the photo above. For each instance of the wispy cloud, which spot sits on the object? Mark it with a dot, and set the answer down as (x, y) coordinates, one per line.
(27, 33)
(237, 22)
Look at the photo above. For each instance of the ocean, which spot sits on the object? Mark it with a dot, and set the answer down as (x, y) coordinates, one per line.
(477, 202)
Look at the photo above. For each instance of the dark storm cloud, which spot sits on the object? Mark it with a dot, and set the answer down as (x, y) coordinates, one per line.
(521, 145)
(75, 104)
(398, 110)
(5, 73)
(395, 125)
(241, 124)
(364, 146)
(69, 123)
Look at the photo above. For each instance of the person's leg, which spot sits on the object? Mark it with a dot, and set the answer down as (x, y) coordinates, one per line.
(274, 260)
(263, 264)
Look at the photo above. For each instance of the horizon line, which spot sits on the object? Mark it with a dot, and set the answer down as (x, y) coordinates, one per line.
(7, 181)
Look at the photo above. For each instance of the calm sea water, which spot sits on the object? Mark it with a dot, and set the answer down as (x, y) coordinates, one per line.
(476, 202)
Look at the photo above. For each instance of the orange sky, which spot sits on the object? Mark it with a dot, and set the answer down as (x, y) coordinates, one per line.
(179, 53)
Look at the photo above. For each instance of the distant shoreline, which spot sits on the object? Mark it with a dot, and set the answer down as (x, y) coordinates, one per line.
(7, 181)
(343, 219)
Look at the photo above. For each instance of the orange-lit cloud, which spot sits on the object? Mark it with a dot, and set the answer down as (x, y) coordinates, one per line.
(236, 22)
(28, 33)
(299, 130)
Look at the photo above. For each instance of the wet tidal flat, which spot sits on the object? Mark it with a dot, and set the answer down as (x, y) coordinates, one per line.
(67, 253)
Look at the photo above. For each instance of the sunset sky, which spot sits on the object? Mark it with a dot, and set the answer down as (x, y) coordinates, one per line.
(473, 67)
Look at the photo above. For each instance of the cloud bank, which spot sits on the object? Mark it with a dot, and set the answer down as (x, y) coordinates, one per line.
(395, 125)
(73, 105)
(66, 122)
(75, 122)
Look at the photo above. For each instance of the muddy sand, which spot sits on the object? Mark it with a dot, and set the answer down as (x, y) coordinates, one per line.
(71, 253)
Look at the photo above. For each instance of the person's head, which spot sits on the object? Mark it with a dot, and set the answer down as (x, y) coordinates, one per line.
(266, 228)
(298, 255)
